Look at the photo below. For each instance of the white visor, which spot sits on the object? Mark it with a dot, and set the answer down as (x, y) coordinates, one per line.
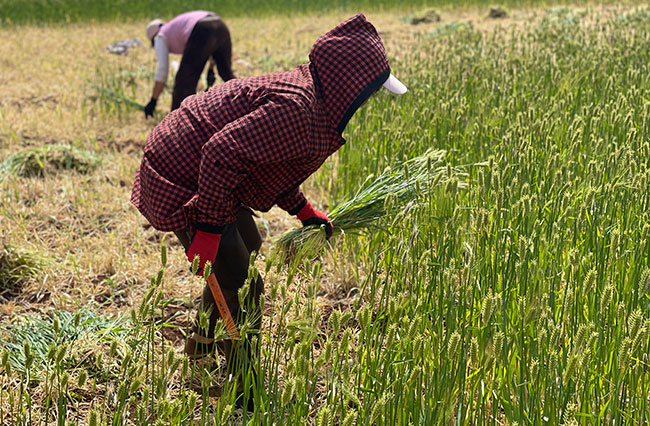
(393, 85)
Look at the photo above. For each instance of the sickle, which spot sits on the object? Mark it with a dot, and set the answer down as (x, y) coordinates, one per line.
(222, 307)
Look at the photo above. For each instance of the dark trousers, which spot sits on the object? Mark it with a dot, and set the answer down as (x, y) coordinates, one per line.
(238, 241)
(210, 37)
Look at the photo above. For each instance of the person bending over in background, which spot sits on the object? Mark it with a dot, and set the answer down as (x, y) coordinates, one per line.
(249, 144)
(199, 36)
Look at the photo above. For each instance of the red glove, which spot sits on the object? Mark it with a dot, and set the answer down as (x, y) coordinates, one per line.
(205, 245)
(308, 215)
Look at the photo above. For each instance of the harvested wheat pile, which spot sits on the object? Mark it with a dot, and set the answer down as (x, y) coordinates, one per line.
(48, 159)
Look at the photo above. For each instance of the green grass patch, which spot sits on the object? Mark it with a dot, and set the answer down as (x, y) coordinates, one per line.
(46, 333)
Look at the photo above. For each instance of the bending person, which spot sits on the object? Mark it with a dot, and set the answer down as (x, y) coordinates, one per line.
(249, 144)
(198, 35)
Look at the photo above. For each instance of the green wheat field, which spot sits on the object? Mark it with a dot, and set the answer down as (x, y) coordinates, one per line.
(492, 262)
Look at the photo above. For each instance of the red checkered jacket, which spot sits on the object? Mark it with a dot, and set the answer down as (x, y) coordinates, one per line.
(253, 141)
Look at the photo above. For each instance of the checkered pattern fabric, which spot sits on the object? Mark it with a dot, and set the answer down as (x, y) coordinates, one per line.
(345, 61)
(253, 141)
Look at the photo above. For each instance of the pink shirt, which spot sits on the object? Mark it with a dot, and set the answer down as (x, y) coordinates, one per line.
(178, 30)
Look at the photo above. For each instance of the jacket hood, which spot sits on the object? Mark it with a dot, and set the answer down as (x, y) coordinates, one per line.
(348, 64)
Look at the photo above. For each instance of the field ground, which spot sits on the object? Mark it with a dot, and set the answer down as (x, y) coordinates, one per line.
(522, 299)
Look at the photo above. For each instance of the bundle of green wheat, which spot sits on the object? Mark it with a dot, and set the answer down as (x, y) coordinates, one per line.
(377, 198)
(108, 96)
(47, 159)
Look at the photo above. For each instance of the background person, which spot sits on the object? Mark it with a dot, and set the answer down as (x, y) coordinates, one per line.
(249, 144)
(198, 35)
